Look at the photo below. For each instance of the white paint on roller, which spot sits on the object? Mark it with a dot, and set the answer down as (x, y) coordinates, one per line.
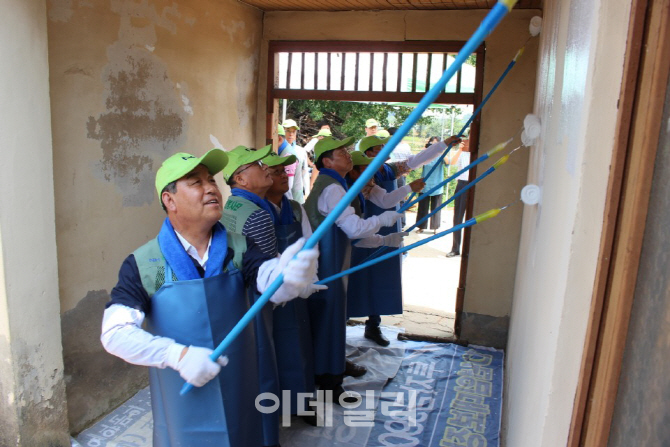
(530, 194)
(535, 26)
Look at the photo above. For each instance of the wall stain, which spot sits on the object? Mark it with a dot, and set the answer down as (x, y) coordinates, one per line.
(91, 389)
(144, 118)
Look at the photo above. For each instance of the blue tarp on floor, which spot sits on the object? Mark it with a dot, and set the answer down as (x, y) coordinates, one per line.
(414, 394)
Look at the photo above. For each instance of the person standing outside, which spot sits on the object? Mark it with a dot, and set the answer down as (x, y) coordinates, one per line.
(297, 181)
(433, 201)
(371, 126)
(189, 284)
(462, 200)
(328, 308)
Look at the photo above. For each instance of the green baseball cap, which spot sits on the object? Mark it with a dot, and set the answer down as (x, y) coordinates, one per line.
(383, 133)
(178, 165)
(243, 155)
(330, 144)
(290, 123)
(273, 159)
(323, 133)
(371, 141)
(360, 159)
(371, 123)
(280, 130)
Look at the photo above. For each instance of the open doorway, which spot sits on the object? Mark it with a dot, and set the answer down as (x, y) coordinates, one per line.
(395, 74)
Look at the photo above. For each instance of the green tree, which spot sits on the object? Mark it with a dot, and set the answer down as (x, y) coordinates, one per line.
(348, 118)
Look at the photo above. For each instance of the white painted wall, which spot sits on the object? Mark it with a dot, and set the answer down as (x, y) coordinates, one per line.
(32, 400)
(579, 78)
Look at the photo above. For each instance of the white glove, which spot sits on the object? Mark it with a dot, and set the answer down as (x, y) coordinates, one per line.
(394, 239)
(299, 273)
(389, 218)
(197, 368)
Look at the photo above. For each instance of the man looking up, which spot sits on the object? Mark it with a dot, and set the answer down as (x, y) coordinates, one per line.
(291, 326)
(377, 290)
(328, 308)
(189, 283)
(247, 213)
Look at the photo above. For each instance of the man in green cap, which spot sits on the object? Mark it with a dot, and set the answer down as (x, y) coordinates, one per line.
(248, 213)
(377, 290)
(189, 284)
(371, 127)
(328, 307)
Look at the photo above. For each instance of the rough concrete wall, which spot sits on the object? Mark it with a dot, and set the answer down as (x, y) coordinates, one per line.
(640, 415)
(494, 245)
(132, 81)
(579, 79)
(32, 387)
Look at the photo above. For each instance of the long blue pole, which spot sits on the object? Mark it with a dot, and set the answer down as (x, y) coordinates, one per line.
(492, 19)
(468, 223)
(380, 250)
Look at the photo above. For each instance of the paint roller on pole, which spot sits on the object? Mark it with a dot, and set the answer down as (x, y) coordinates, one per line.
(476, 112)
(470, 222)
(376, 255)
(492, 19)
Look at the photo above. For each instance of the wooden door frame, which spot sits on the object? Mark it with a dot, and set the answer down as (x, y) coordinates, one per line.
(641, 102)
(475, 98)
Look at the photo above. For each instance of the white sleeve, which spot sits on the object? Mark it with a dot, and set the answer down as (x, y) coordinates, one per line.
(426, 156)
(289, 193)
(373, 241)
(123, 336)
(352, 225)
(388, 200)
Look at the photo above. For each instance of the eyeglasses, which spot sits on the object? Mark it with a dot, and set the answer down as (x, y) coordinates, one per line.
(257, 162)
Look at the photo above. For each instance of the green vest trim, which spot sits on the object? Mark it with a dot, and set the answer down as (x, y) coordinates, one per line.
(236, 212)
(312, 207)
(151, 262)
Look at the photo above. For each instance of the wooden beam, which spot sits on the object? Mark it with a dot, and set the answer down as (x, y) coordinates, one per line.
(641, 106)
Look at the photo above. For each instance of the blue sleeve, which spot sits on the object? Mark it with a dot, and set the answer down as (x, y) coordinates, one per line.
(129, 290)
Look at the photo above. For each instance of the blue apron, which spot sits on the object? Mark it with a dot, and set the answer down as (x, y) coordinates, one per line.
(376, 290)
(291, 331)
(328, 308)
(267, 363)
(201, 312)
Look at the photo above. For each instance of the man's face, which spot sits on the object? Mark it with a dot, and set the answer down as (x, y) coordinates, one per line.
(465, 146)
(369, 131)
(253, 177)
(279, 180)
(291, 134)
(340, 162)
(197, 200)
(280, 139)
(325, 127)
(373, 151)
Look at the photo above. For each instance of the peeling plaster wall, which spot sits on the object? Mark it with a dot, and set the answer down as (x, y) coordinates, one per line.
(494, 244)
(132, 81)
(579, 80)
(33, 411)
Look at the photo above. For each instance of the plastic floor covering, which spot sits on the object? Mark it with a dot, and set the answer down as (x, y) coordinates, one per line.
(414, 394)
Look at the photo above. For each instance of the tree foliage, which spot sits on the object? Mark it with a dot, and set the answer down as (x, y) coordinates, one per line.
(346, 118)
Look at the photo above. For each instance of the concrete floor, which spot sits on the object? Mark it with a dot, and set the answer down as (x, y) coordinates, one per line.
(428, 304)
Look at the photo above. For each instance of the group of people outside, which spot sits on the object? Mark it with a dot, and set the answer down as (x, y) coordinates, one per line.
(180, 294)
